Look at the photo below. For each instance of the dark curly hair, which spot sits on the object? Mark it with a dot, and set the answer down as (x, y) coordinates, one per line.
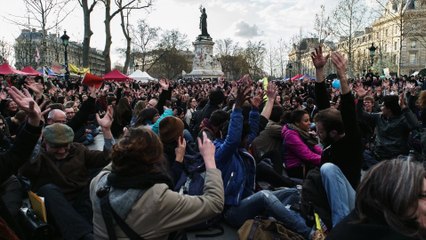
(138, 151)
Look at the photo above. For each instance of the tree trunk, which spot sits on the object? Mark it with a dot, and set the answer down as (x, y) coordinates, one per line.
(87, 33)
(124, 28)
(108, 41)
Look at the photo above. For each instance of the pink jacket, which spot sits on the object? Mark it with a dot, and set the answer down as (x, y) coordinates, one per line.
(296, 151)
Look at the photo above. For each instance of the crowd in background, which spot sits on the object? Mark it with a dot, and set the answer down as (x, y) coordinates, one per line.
(254, 138)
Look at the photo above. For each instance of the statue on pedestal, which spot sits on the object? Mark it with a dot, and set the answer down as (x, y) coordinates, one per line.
(203, 25)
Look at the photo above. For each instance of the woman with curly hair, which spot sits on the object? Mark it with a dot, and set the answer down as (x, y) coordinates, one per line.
(140, 190)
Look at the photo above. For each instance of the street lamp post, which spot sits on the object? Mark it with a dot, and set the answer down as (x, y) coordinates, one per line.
(65, 40)
(372, 53)
(289, 67)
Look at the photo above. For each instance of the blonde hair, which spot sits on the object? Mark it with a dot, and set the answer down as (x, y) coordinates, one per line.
(421, 101)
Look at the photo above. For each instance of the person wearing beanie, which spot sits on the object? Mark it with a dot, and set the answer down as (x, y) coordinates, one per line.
(61, 173)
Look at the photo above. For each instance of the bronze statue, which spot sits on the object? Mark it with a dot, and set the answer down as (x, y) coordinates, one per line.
(203, 23)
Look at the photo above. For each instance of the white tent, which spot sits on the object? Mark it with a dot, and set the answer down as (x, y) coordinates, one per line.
(140, 76)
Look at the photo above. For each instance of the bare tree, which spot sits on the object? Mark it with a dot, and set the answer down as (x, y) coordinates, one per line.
(87, 11)
(48, 14)
(255, 53)
(322, 25)
(125, 28)
(281, 53)
(226, 47)
(5, 51)
(349, 17)
(271, 60)
(121, 5)
(143, 40)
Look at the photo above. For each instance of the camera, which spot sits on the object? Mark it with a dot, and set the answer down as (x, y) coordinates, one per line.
(34, 227)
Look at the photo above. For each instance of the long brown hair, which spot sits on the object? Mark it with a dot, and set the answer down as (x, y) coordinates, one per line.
(138, 151)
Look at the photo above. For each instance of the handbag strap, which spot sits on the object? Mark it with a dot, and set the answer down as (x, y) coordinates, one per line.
(108, 213)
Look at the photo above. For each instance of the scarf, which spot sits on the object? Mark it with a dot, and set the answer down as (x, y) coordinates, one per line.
(142, 181)
(307, 138)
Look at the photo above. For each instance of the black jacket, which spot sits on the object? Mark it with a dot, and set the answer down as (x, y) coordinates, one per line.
(375, 229)
(12, 160)
(346, 153)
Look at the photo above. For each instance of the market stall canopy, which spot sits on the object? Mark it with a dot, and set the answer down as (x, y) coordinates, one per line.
(140, 76)
(91, 79)
(116, 75)
(6, 69)
(77, 70)
(31, 71)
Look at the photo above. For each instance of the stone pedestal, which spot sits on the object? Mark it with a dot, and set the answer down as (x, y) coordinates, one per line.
(204, 65)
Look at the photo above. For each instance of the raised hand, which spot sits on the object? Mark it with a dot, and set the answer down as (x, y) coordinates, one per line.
(340, 63)
(26, 103)
(360, 91)
(243, 94)
(207, 150)
(256, 101)
(271, 91)
(164, 83)
(106, 121)
(318, 59)
(180, 149)
(37, 88)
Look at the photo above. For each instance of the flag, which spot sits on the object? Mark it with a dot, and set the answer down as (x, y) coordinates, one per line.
(37, 56)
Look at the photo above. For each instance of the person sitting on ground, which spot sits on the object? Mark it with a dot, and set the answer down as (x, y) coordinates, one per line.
(61, 174)
(301, 150)
(394, 210)
(393, 126)
(141, 192)
(338, 131)
(17, 155)
(239, 169)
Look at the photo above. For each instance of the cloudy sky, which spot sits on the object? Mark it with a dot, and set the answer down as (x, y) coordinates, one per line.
(241, 20)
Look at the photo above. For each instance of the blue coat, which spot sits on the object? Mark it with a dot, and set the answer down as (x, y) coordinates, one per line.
(237, 165)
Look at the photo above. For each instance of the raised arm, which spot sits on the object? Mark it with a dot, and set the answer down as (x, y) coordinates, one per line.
(27, 138)
(321, 94)
(271, 93)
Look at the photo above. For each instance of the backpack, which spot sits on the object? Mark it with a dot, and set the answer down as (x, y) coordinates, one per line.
(314, 199)
(266, 229)
(194, 124)
(191, 182)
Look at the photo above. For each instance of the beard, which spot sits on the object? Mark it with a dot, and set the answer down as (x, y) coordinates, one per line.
(327, 140)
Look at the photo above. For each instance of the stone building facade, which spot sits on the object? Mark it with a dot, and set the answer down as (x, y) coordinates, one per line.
(28, 52)
(401, 53)
(404, 53)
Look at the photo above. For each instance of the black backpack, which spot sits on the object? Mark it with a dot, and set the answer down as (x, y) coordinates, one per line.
(191, 182)
(314, 199)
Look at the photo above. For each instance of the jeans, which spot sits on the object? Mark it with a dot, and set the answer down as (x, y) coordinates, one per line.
(272, 204)
(73, 218)
(369, 160)
(340, 194)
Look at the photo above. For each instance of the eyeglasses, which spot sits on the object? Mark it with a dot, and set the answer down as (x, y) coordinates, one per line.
(57, 146)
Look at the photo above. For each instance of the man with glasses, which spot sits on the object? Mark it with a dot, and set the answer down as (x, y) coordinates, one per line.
(61, 173)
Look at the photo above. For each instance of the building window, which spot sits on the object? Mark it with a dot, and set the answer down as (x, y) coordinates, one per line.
(413, 58)
(386, 32)
(395, 46)
(413, 44)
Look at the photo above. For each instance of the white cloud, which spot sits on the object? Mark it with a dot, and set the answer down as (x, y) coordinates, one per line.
(246, 31)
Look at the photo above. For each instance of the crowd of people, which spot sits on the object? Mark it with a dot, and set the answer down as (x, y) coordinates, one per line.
(356, 151)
